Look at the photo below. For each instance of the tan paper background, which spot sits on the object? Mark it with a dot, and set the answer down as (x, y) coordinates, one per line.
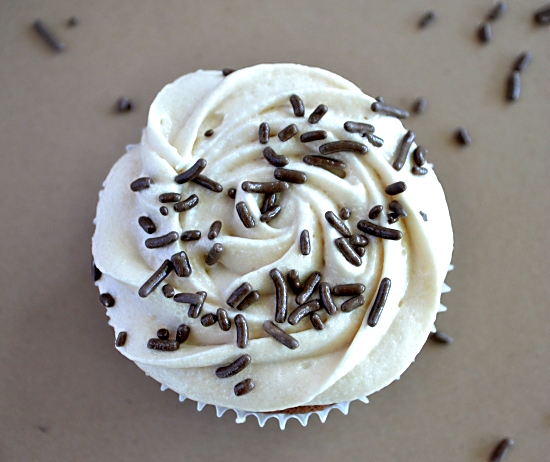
(66, 394)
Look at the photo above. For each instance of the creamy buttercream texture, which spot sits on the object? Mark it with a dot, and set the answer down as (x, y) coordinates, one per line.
(347, 359)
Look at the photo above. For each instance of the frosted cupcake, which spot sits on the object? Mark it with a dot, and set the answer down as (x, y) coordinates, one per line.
(276, 242)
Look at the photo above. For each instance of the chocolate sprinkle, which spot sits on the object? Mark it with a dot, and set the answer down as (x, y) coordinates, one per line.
(281, 296)
(249, 300)
(424, 216)
(208, 133)
(513, 86)
(182, 333)
(522, 61)
(214, 230)
(163, 211)
(270, 214)
(345, 213)
(441, 337)
(303, 310)
(288, 132)
(375, 211)
(223, 319)
(191, 235)
(263, 133)
(192, 172)
(269, 202)
(226, 71)
(343, 146)
(484, 33)
(359, 250)
(297, 105)
(326, 163)
(186, 204)
(209, 319)
(462, 136)
(48, 36)
(416, 170)
(403, 150)
(308, 287)
(379, 302)
(244, 387)
(348, 251)
(375, 230)
(196, 308)
(158, 276)
(420, 105)
(239, 294)
(234, 368)
(317, 114)
(358, 240)
(542, 15)
(266, 187)
(397, 208)
(337, 223)
(358, 127)
(352, 303)
(305, 244)
(500, 451)
(326, 298)
(386, 109)
(140, 184)
(168, 290)
(169, 197)
(242, 331)
(182, 267)
(427, 19)
(290, 176)
(214, 254)
(396, 188)
(73, 21)
(124, 104)
(107, 300)
(244, 215)
(315, 135)
(208, 183)
(147, 225)
(162, 344)
(316, 321)
(348, 289)
(280, 335)
(374, 140)
(161, 241)
(96, 272)
(188, 297)
(496, 11)
(232, 193)
(121, 339)
(293, 278)
(419, 155)
(163, 333)
(275, 159)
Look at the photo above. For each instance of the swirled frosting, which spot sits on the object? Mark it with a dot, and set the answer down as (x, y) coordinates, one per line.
(347, 359)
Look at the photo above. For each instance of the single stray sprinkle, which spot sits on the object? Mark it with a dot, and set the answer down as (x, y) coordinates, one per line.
(158, 276)
(214, 254)
(239, 294)
(209, 319)
(379, 302)
(352, 303)
(290, 176)
(441, 337)
(277, 160)
(308, 287)
(140, 184)
(305, 244)
(147, 225)
(358, 127)
(326, 163)
(214, 230)
(348, 289)
(315, 135)
(293, 278)
(501, 450)
(281, 295)
(188, 297)
(182, 267)
(263, 133)
(427, 19)
(192, 172)
(316, 321)
(420, 105)
(232, 193)
(375, 230)
(245, 215)
(208, 133)
(375, 211)
(107, 300)
(326, 298)
(358, 240)
(161, 241)
(423, 215)
(163, 333)
(168, 290)
(124, 104)
(208, 183)
(162, 344)
(419, 155)
(234, 368)
(497, 11)
(374, 140)
(266, 217)
(223, 319)
(266, 187)
(191, 235)
(388, 110)
(121, 339)
(48, 36)
(343, 146)
(484, 33)
(462, 136)
(317, 114)
(403, 150)
(242, 331)
(269, 202)
(169, 197)
(182, 333)
(522, 61)
(396, 188)
(186, 204)
(244, 387)
(513, 86)
(337, 223)
(348, 251)
(345, 213)
(288, 132)
(302, 311)
(297, 105)
(164, 211)
(280, 335)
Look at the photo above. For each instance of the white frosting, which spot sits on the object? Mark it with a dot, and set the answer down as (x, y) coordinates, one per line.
(346, 360)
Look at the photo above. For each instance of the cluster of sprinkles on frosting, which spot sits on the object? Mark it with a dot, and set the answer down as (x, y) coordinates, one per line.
(350, 245)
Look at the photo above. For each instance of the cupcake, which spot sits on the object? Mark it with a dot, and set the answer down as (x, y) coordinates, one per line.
(275, 244)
